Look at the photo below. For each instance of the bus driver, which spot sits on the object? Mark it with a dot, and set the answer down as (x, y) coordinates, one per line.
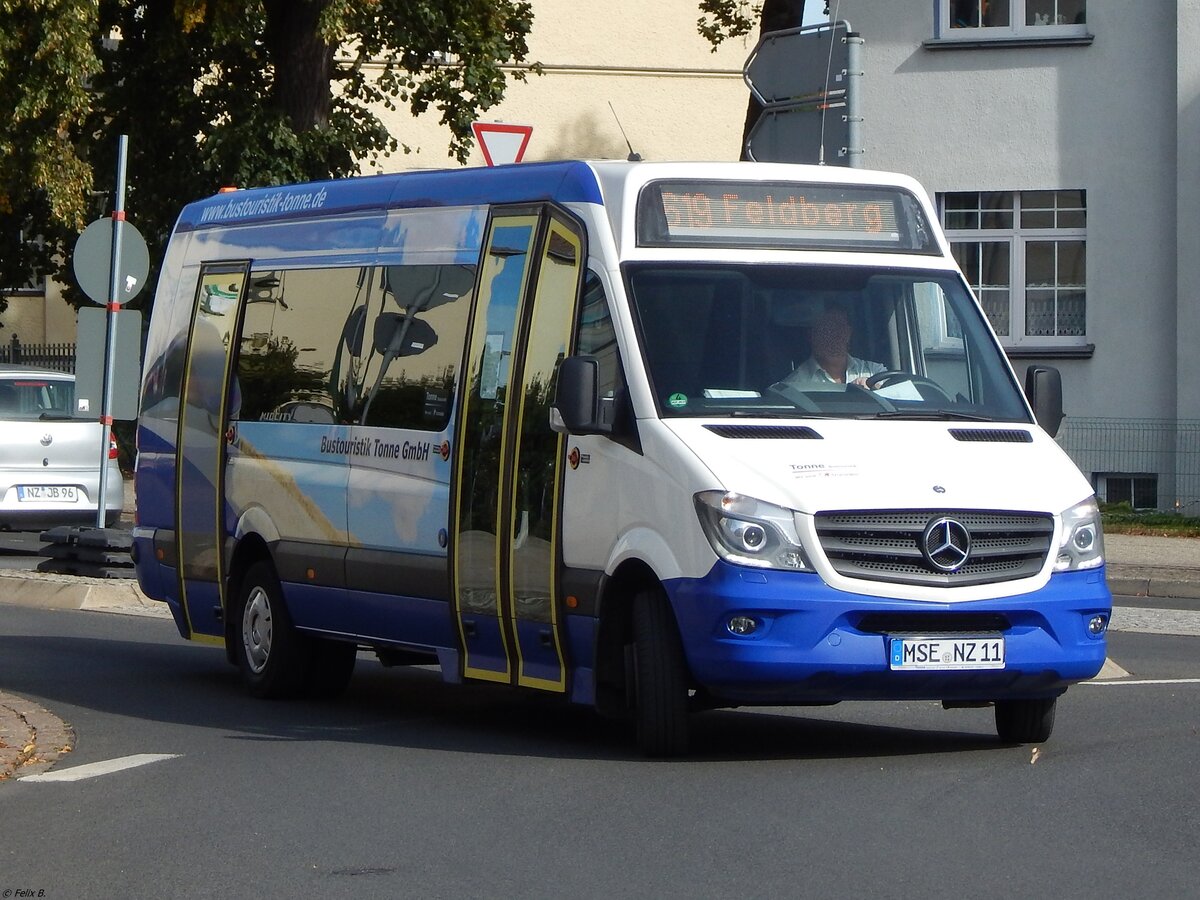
(831, 362)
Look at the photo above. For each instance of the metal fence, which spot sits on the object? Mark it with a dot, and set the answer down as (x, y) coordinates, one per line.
(60, 357)
(1113, 451)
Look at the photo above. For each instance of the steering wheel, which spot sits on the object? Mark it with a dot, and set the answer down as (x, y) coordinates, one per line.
(893, 376)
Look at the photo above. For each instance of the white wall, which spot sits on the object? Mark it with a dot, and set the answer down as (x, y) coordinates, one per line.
(675, 98)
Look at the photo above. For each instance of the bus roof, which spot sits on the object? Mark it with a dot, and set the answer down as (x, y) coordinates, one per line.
(609, 183)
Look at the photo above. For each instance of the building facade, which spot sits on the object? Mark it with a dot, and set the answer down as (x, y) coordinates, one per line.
(1060, 138)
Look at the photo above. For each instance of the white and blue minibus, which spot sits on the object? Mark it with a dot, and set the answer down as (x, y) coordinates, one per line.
(656, 437)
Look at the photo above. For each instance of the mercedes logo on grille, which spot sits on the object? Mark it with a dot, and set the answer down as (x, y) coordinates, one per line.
(946, 544)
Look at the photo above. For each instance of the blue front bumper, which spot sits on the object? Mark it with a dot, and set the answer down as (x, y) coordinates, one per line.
(815, 644)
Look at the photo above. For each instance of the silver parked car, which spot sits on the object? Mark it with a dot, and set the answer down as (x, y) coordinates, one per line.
(49, 459)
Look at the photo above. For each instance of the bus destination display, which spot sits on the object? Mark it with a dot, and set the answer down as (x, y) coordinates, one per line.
(779, 215)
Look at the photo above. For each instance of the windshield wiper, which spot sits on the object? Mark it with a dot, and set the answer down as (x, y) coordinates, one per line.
(797, 414)
(941, 415)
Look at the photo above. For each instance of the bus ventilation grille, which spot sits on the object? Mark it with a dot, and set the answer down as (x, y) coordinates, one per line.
(778, 432)
(992, 435)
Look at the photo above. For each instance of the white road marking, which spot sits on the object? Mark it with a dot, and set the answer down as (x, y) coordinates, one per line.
(1155, 621)
(1147, 681)
(105, 767)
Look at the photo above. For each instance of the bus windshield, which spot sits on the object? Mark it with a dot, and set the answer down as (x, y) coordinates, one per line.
(731, 339)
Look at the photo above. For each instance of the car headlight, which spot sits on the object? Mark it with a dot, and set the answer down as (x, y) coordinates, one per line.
(750, 532)
(1082, 542)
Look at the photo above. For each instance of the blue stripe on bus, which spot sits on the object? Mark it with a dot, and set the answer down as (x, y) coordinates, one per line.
(565, 182)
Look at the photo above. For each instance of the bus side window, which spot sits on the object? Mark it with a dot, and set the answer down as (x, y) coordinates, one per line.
(411, 346)
(286, 348)
(598, 338)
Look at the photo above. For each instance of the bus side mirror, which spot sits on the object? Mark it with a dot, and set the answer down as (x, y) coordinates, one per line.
(576, 408)
(1043, 388)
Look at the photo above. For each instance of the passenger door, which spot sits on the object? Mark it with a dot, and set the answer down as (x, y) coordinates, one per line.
(506, 542)
(200, 461)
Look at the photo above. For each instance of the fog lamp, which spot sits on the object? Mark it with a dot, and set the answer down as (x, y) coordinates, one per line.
(1097, 625)
(741, 625)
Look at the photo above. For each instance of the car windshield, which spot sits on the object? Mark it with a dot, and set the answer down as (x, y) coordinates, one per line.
(818, 341)
(36, 397)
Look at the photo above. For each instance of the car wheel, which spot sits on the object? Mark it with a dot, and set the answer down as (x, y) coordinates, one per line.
(1025, 721)
(274, 658)
(660, 683)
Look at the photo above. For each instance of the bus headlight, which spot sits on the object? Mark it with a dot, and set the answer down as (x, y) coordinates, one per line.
(749, 532)
(1082, 543)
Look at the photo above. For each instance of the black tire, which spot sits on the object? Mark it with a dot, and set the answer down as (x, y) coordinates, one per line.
(1025, 721)
(274, 658)
(331, 668)
(660, 689)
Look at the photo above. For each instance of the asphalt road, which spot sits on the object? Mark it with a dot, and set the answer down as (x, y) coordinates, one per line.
(408, 787)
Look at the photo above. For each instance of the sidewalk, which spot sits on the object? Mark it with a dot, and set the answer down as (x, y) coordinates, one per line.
(1139, 565)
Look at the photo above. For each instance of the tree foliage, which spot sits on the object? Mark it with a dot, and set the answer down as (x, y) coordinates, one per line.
(215, 93)
(46, 59)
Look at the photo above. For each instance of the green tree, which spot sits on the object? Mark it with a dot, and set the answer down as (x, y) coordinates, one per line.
(46, 58)
(724, 19)
(215, 93)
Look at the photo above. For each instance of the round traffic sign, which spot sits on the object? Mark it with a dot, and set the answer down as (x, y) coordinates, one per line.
(93, 261)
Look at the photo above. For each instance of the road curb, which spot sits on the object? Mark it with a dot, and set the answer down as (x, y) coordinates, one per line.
(47, 590)
(1137, 585)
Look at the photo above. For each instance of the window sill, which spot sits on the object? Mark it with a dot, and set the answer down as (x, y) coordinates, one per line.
(1048, 351)
(997, 43)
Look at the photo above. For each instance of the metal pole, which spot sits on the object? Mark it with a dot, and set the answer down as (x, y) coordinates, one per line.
(114, 306)
(854, 75)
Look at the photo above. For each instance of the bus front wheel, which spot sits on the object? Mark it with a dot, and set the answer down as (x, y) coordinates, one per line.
(660, 688)
(1025, 721)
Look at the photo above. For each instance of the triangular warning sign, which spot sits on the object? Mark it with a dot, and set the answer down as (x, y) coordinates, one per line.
(501, 143)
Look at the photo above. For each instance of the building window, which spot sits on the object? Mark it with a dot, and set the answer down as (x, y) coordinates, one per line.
(981, 20)
(1140, 491)
(1025, 256)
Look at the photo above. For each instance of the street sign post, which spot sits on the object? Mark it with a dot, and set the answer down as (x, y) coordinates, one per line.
(128, 263)
(807, 82)
(92, 261)
(500, 142)
(803, 133)
(799, 64)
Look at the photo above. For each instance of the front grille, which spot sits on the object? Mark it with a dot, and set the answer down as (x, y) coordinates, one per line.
(887, 545)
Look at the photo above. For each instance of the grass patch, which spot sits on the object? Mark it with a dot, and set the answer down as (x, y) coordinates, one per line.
(1122, 518)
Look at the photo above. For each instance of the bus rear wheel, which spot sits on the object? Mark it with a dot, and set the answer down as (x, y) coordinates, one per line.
(660, 688)
(1025, 721)
(273, 657)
